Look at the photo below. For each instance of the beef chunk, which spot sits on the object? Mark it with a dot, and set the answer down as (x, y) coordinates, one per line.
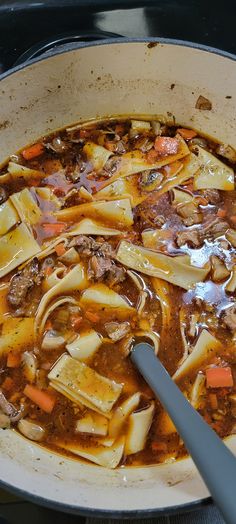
(192, 238)
(98, 266)
(229, 318)
(116, 331)
(103, 268)
(190, 213)
(215, 229)
(219, 270)
(211, 195)
(87, 246)
(115, 275)
(23, 282)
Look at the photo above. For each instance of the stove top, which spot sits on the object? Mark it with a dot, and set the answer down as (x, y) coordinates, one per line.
(27, 28)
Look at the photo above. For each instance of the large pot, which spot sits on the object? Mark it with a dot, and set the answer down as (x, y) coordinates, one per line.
(81, 83)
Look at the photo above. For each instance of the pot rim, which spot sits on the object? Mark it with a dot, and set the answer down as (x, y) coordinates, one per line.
(69, 508)
(122, 40)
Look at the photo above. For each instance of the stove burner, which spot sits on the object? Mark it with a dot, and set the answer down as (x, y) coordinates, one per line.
(55, 42)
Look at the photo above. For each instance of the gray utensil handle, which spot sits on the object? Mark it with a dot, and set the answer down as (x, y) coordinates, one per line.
(214, 460)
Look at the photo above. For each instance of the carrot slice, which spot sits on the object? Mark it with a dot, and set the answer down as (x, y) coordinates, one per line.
(166, 145)
(13, 359)
(221, 213)
(60, 249)
(213, 401)
(187, 134)
(41, 398)
(219, 377)
(159, 446)
(76, 321)
(52, 229)
(33, 151)
(93, 317)
(152, 156)
(48, 271)
(7, 384)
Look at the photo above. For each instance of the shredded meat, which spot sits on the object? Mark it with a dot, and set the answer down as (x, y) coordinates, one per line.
(211, 195)
(23, 282)
(229, 318)
(103, 268)
(115, 275)
(116, 331)
(87, 246)
(190, 213)
(98, 266)
(215, 229)
(219, 270)
(192, 238)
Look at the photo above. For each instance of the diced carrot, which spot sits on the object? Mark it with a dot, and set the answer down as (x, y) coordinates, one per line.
(201, 201)
(233, 219)
(187, 134)
(221, 213)
(213, 401)
(7, 384)
(76, 321)
(166, 145)
(48, 325)
(93, 317)
(33, 151)
(13, 359)
(53, 229)
(41, 398)
(48, 271)
(84, 133)
(219, 377)
(33, 182)
(60, 249)
(119, 129)
(152, 156)
(111, 146)
(159, 446)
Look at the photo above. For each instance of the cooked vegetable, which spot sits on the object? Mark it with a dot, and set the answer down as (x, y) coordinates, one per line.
(42, 399)
(31, 430)
(219, 377)
(33, 151)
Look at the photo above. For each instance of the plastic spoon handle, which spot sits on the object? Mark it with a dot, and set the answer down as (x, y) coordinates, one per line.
(215, 462)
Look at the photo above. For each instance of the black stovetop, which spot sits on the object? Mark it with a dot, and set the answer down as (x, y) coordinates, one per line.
(24, 24)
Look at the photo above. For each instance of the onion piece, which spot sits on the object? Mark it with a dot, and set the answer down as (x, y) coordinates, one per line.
(29, 363)
(31, 430)
(52, 341)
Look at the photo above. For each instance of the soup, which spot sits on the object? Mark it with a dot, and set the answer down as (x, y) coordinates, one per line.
(112, 233)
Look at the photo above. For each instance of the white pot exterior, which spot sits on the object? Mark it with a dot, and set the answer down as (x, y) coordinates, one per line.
(95, 82)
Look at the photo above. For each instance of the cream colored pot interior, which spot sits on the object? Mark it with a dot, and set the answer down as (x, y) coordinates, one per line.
(92, 82)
